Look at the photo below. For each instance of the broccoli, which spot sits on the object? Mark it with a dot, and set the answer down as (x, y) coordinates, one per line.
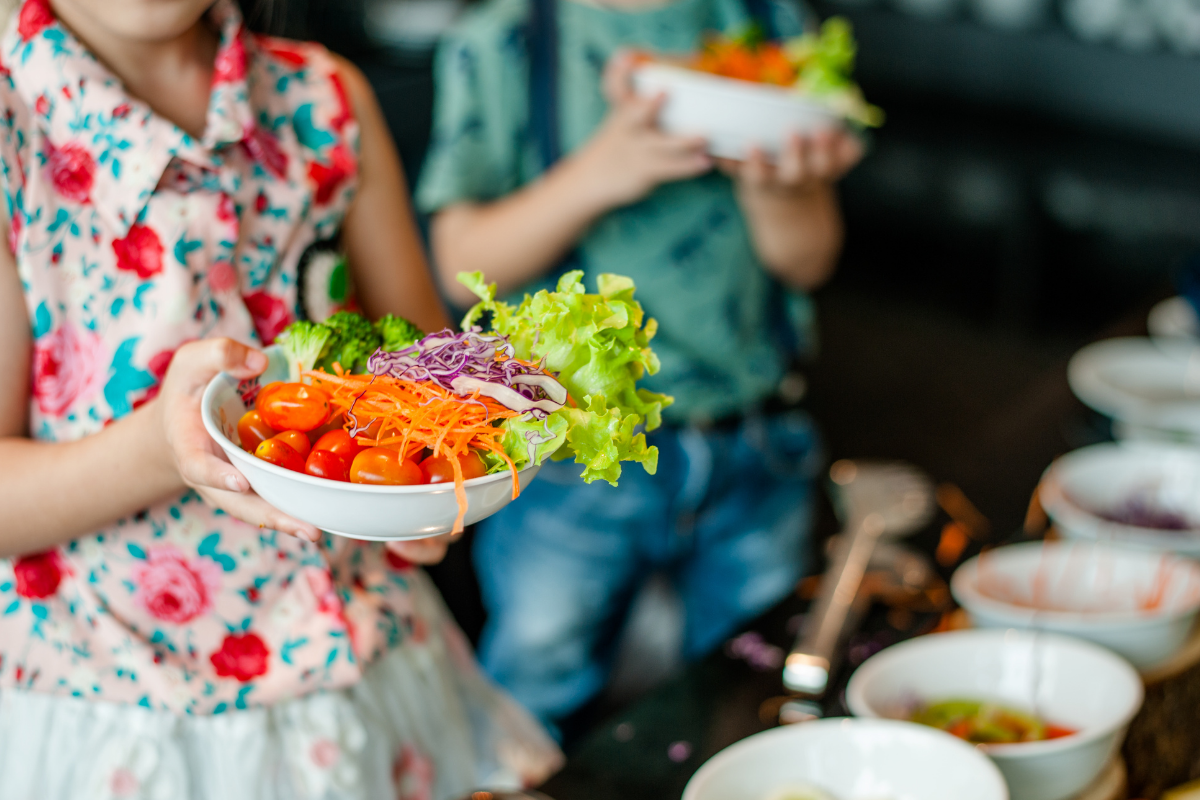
(304, 343)
(398, 333)
(354, 340)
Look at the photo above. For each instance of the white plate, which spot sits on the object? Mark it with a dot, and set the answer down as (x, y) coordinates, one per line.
(851, 760)
(1065, 681)
(732, 115)
(376, 513)
(1150, 386)
(1173, 318)
(1094, 591)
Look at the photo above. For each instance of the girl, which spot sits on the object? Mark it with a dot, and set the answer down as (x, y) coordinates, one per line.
(164, 633)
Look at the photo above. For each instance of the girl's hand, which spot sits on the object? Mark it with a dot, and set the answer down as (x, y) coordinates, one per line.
(192, 452)
(423, 551)
(629, 156)
(804, 164)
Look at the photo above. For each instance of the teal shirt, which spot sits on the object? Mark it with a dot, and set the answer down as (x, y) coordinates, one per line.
(724, 324)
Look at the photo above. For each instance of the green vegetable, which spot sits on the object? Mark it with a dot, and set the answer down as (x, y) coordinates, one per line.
(981, 723)
(303, 343)
(397, 332)
(598, 345)
(354, 340)
(826, 62)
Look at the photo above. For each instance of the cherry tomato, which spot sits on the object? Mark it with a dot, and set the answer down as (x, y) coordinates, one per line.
(335, 423)
(294, 406)
(252, 430)
(295, 440)
(277, 452)
(263, 392)
(438, 469)
(327, 464)
(341, 443)
(383, 466)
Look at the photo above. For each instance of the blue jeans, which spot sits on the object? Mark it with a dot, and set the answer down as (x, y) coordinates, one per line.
(727, 516)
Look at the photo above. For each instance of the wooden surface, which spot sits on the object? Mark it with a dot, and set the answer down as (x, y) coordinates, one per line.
(1162, 748)
(1110, 785)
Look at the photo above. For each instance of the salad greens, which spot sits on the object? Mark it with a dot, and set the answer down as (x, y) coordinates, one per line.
(598, 345)
(346, 338)
(825, 63)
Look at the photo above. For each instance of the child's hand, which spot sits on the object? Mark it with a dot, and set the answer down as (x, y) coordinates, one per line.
(191, 451)
(423, 551)
(629, 156)
(804, 164)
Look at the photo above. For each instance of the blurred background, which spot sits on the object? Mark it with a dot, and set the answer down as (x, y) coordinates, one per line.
(1036, 187)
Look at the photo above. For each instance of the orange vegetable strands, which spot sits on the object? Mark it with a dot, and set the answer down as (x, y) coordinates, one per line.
(763, 63)
(414, 415)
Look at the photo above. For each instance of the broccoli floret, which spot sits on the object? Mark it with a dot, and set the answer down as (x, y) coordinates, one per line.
(304, 343)
(397, 332)
(354, 340)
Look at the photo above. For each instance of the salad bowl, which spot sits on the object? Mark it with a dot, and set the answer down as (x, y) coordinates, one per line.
(376, 513)
(1139, 604)
(1064, 681)
(848, 759)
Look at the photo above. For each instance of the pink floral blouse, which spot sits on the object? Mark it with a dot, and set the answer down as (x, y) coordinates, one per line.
(132, 238)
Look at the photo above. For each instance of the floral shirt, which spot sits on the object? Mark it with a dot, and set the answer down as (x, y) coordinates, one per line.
(131, 238)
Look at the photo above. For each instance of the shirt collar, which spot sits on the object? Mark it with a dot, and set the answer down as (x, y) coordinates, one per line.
(78, 103)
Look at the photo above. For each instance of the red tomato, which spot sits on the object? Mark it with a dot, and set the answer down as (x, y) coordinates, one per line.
(295, 440)
(277, 452)
(294, 406)
(341, 443)
(252, 430)
(438, 469)
(335, 422)
(263, 392)
(327, 464)
(383, 466)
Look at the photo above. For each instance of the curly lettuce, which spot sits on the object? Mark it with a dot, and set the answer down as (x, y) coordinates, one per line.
(598, 345)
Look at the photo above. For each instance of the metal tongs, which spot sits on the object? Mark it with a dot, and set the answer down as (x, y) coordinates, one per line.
(876, 500)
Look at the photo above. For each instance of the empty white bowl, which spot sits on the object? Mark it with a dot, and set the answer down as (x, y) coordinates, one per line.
(851, 760)
(733, 115)
(1065, 681)
(377, 513)
(1081, 488)
(1139, 604)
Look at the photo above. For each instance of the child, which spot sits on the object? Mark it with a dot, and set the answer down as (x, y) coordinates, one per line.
(720, 257)
(164, 632)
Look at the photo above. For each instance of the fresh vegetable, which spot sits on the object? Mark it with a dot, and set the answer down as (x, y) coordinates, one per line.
(277, 452)
(598, 347)
(252, 430)
(327, 464)
(295, 440)
(986, 723)
(340, 442)
(304, 344)
(354, 340)
(438, 469)
(293, 406)
(397, 333)
(383, 466)
(816, 65)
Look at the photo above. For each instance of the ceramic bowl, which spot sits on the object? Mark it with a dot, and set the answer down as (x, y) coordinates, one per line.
(1065, 681)
(1173, 318)
(377, 513)
(1080, 490)
(733, 115)
(1139, 604)
(851, 760)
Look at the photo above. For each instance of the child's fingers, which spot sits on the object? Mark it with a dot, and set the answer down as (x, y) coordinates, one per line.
(849, 152)
(757, 170)
(200, 468)
(252, 509)
(617, 81)
(643, 111)
(422, 551)
(791, 167)
(196, 363)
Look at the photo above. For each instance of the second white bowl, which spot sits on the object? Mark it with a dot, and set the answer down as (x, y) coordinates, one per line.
(1063, 680)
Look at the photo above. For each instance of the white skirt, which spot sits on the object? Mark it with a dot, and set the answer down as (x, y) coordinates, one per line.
(423, 724)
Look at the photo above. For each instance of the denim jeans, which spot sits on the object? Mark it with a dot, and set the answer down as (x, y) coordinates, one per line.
(727, 516)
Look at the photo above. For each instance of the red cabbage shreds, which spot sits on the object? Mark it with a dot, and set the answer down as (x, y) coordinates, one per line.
(472, 361)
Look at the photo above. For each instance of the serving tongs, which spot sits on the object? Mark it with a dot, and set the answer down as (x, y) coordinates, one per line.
(876, 500)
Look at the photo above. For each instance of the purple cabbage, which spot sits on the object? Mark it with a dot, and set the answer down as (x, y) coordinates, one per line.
(464, 363)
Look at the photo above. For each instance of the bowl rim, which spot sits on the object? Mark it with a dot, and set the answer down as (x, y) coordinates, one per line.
(770, 91)
(236, 454)
(858, 705)
(964, 586)
(1057, 503)
(1163, 415)
(968, 751)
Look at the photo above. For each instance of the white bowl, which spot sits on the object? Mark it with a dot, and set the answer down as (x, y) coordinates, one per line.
(1173, 318)
(851, 760)
(1150, 387)
(1078, 487)
(733, 115)
(376, 513)
(1139, 604)
(1065, 681)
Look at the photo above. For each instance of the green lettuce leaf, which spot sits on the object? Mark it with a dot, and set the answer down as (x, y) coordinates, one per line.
(599, 347)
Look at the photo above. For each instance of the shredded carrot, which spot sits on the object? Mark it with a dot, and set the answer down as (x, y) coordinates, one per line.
(382, 411)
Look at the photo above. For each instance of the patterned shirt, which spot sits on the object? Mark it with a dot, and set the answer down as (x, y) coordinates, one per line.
(725, 325)
(131, 238)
